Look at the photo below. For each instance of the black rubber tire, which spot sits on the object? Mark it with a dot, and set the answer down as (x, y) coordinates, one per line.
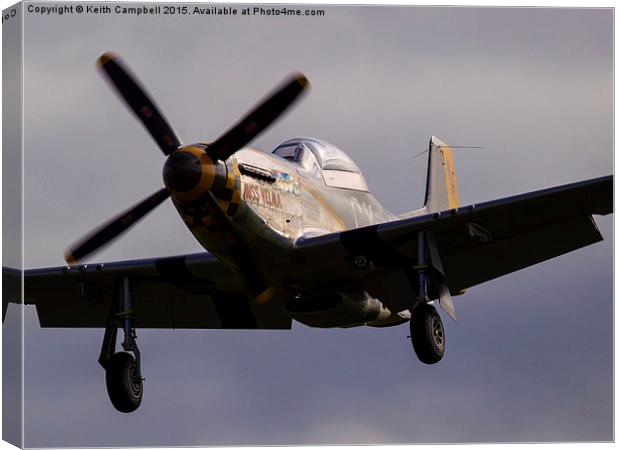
(125, 394)
(427, 334)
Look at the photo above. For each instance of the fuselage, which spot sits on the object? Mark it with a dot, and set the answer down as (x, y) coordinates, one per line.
(274, 199)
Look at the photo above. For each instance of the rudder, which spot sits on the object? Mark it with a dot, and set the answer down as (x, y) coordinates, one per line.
(441, 189)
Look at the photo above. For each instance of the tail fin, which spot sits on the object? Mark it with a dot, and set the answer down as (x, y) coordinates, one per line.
(441, 191)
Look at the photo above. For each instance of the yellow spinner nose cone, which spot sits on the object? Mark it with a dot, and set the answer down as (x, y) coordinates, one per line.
(182, 171)
(189, 173)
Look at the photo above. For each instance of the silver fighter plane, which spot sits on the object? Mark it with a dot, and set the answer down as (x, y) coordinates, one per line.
(296, 235)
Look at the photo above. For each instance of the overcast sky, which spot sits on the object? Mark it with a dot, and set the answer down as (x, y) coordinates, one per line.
(530, 358)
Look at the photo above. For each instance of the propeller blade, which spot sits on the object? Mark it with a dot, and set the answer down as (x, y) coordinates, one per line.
(114, 227)
(259, 118)
(139, 102)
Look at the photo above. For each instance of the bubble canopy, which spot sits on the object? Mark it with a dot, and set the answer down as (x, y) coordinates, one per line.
(337, 168)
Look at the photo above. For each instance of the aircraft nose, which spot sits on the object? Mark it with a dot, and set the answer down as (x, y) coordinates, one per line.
(182, 171)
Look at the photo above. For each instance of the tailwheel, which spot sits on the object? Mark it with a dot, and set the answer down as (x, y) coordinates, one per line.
(427, 334)
(123, 382)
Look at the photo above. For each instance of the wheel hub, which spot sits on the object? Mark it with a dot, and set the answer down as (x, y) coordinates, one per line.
(437, 331)
(135, 381)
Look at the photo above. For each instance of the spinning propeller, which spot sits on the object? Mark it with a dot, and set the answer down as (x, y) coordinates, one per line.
(188, 173)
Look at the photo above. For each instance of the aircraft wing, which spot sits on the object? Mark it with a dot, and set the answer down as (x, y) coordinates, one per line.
(188, 291)
(476, 243)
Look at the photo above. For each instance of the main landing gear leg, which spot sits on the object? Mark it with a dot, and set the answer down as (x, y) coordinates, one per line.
(426, 328)
(122, 369)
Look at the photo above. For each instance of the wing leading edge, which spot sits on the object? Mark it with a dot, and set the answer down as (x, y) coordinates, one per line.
(477, 243)
(188, 291)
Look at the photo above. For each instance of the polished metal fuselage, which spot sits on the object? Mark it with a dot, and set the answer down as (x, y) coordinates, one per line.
(278, 203)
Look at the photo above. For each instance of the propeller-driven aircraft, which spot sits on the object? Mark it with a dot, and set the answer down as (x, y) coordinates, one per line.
(296, 235)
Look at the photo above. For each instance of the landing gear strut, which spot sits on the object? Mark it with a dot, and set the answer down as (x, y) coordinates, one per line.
(426, 328)
(122, 369)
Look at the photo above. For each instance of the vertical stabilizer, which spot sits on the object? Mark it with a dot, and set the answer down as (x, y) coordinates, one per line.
(441, 190)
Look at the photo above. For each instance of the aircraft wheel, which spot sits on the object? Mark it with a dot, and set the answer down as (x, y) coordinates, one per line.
(124, 389)
(427, 334)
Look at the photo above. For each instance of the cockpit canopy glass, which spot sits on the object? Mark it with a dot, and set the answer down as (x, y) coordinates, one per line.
(337, 169)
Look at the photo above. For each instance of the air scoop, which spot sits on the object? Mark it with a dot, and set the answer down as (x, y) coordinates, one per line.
(189, 173)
